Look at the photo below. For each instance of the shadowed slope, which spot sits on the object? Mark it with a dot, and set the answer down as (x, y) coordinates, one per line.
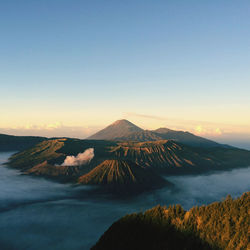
(168, 134)
(186, 138)
(13, 143)
(62, 173)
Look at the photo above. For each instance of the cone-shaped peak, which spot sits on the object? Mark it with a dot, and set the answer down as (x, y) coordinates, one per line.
(118, 129)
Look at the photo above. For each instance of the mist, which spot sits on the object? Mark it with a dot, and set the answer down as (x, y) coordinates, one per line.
(81, 159)
(40, 214)
(17, 189)
(196, 190)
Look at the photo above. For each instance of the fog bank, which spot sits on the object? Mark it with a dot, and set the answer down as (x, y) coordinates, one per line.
(40, 214)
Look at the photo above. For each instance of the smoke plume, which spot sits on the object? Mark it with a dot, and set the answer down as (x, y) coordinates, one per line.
(81, 159)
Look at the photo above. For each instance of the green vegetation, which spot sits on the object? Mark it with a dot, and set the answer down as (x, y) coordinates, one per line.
(220, 225)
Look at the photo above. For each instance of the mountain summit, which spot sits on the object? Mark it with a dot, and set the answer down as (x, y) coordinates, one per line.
(118, 129)
(124, 130)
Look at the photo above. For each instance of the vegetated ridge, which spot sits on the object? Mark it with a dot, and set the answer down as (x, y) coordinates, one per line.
(220, 225)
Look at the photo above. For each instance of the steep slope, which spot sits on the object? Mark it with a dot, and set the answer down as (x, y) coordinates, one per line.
(170, 157)
(220, 225)
(120, 128)
(43, 151)
(166, 156)
(141, 136)
(122, 176)
(45, 158)
(16, 143)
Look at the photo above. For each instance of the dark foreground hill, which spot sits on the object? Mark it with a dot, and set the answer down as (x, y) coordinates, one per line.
(220, 225)
(16, 143)
(123, 130)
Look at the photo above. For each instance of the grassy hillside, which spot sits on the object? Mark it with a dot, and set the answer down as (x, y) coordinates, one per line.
(220, 225)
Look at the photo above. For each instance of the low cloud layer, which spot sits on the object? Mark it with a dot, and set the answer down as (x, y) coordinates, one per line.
(56, 129)
(61, 205)
(81, 159)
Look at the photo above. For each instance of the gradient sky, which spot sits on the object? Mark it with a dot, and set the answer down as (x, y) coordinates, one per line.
(70, 67)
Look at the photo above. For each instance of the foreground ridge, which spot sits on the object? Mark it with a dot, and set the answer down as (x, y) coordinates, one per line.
(220, 225)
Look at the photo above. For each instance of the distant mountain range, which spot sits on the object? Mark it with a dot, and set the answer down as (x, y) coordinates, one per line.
(123, 130)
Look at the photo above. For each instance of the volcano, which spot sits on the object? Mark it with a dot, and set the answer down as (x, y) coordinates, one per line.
(124, 130)
(122, 176)
(118, 129)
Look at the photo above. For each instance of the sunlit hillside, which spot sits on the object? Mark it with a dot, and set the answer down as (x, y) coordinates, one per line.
(220, 225)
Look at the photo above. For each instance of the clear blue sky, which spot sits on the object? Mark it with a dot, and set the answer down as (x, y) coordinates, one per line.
(91, 62)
